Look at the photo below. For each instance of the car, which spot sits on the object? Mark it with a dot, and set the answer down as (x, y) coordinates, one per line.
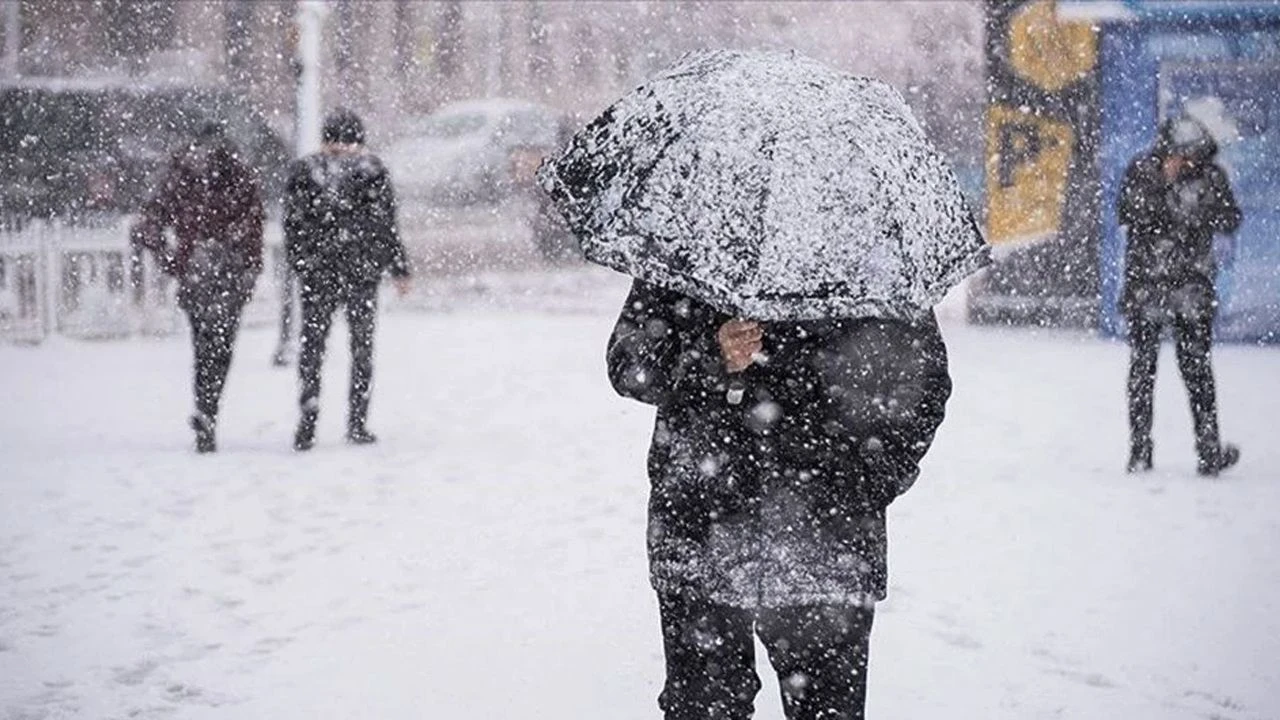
(472, 152)
(76, 149)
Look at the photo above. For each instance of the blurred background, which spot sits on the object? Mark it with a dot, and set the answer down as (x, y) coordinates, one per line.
(1039, 104)
(462, 100)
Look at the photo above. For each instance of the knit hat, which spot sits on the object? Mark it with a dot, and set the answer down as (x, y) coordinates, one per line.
(343, 127)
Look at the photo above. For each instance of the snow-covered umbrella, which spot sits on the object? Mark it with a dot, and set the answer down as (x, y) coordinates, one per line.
(770, 186)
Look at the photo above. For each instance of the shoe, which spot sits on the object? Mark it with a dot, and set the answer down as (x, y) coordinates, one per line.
(203, 425)
(280, 359)
(361, 436)
(305, 437)
(1139, 458)
(1226, 457)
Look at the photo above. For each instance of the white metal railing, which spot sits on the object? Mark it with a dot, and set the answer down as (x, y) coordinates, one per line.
(85, 281)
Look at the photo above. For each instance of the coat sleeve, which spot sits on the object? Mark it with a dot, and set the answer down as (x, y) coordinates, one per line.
(663, 349)
(394, 257)
(249, 221)
(1132, 200)
(156, 214)
(297, 217)
(904, 445)
(1225, 215)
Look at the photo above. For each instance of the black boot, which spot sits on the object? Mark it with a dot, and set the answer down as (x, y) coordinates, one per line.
(1139, 457)
(1218, 460)
(204, 427)
(305, 437)
(360, 435)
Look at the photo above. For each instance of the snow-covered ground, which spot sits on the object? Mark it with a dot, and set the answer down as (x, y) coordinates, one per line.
(486, 559)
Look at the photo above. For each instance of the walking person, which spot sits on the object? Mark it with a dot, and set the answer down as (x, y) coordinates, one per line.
(341, 237)
(1173, 201)
(780, 320)
(211, 200)
(770, 511)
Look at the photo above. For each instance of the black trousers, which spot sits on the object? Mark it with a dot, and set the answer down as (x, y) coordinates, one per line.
(1193, 342)
(360, 301)
(818, 651)
(215, 321)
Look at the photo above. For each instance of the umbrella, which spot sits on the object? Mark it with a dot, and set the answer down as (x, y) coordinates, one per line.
(771, 187)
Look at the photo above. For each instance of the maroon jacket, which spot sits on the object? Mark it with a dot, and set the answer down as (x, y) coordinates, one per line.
(207, 194)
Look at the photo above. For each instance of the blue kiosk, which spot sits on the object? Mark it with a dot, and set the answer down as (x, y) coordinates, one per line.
(1218, 60)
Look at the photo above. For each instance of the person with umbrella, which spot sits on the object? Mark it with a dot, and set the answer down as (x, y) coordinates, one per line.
(788, 229)
(1173, 201)
(211, 199)
(340, 237)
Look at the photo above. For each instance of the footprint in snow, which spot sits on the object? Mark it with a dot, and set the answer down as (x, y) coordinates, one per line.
(269, 579)
(266, 646)
(134, 563)
(1222, 702)
(1051, 656)
(135, 674)
(1096, 680)
(946, 619)
(178, 692)
(959, 640)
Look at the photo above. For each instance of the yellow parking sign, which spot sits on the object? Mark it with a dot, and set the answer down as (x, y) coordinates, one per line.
(1048, 52)
(1028, 163)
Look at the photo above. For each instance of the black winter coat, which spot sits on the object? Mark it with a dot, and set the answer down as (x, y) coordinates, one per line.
(779, 499)
(1169, 264)
(340, 222)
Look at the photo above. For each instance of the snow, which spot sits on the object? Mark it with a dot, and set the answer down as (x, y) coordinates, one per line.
(771, 186)
(486, 559)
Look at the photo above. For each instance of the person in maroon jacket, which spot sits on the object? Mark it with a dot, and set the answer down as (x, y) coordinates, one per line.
(211, 200)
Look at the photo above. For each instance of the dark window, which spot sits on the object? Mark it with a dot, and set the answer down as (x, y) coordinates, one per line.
(237, 24)
(136, 28)
(449, 47)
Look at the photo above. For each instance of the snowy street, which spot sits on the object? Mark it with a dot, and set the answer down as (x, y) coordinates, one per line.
(486, 559)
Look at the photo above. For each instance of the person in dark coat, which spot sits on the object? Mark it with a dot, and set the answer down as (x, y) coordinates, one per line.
(1173, 201)
(341, 237)
(776, 450)
(211, 200)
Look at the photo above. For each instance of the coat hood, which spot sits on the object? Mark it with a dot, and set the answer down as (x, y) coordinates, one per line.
(1186, 136)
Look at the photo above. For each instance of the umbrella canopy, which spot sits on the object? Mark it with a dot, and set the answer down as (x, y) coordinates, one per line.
(770, 186)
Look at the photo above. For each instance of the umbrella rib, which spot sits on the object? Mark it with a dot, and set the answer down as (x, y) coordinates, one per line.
(767, 145)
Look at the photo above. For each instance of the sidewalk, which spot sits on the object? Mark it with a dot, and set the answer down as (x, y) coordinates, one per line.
(486, 559)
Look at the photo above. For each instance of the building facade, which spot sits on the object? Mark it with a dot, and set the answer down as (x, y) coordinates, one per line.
(1077, 88)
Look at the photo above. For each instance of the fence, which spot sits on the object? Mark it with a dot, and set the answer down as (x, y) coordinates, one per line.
(84, 281)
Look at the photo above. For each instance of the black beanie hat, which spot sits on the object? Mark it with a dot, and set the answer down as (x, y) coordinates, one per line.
(344, 127)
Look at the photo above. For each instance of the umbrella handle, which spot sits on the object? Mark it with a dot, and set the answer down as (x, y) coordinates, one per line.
(737, 386)
(736, 392)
